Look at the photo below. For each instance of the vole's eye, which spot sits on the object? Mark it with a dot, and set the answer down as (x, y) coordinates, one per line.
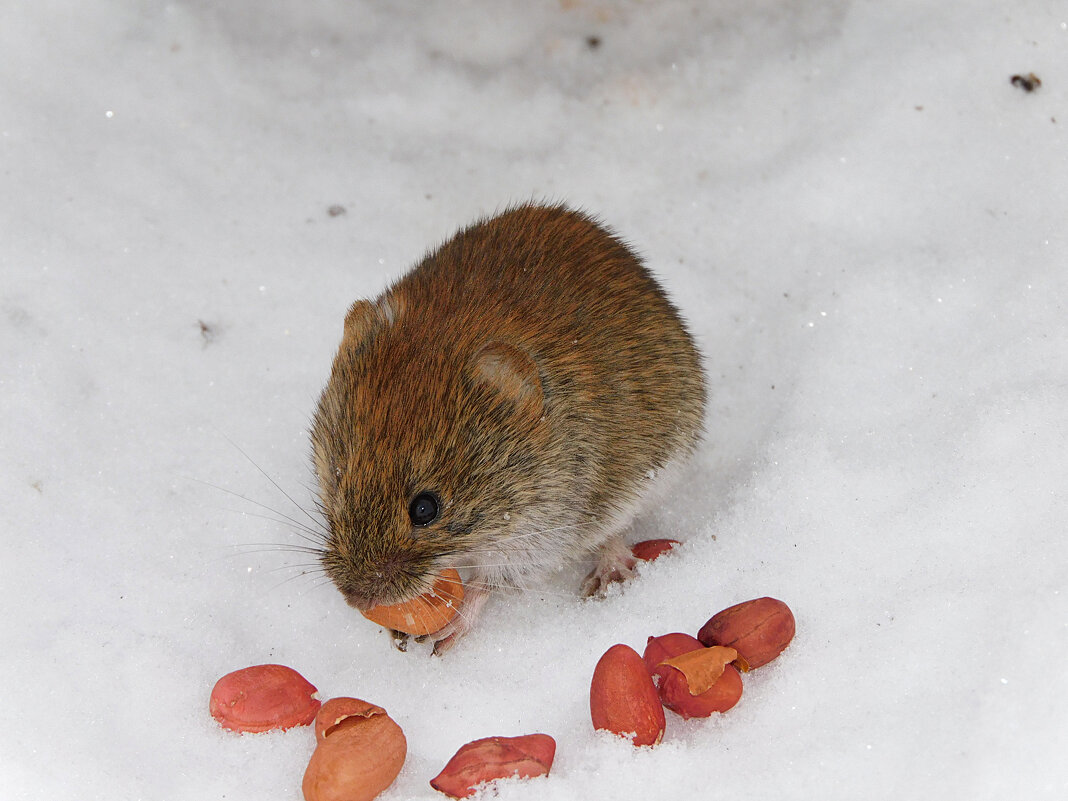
(423, 509)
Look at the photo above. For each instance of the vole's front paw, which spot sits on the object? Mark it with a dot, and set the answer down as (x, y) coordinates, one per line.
(467, 613)
(447, 637)
(615, 563)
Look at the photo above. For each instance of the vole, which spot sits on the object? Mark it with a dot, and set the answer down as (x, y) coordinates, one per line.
(505, 406)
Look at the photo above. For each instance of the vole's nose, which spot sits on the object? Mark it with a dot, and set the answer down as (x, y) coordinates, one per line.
(378, 585)
(386, 570)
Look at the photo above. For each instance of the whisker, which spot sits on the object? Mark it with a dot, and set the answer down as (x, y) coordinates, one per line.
(280, 546)
(266, 548)
(477, 565)
(510, 541)
(271, 549)
(315, 568)
(537, 532)
(459, 610)
(417, 609)
(302, 574)
(313, 535)
(275, 483)
(525, 589)
(286, 517)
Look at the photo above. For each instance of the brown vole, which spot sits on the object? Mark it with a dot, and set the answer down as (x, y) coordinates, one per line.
(504, 406)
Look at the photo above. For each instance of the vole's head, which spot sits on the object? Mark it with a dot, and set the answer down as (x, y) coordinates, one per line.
(423, 442)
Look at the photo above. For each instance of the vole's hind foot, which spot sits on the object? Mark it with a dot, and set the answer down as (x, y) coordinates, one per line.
(615, 563)
(467, 614)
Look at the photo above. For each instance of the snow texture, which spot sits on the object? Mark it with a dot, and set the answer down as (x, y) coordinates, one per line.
(859, 213)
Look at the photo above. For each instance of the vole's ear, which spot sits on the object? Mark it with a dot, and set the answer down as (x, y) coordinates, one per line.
(513, 373)
(364, 319)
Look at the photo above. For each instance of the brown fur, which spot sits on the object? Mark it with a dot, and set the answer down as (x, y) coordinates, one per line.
(532, 374)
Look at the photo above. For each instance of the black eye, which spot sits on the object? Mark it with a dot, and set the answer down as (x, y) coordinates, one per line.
(423, 509)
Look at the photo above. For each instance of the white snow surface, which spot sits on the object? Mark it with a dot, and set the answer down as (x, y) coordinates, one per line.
(859, 214)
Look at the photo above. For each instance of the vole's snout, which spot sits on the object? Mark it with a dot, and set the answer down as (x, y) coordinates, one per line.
(381, 581)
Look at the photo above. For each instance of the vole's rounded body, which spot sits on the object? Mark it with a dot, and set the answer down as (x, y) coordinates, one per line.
(530, 378)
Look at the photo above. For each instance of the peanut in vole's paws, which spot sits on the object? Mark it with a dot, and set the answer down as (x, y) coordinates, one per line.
(615, 563)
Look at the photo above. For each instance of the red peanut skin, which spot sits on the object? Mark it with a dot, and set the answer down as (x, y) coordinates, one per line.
(336, 711)
(623, 698)
(495, 758)
(721, 696)
(671, 683)
(759, 630)
(648, 550)
(657, 649)
(263, 697)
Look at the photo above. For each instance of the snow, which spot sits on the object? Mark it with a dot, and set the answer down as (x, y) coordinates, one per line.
(862, 218)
